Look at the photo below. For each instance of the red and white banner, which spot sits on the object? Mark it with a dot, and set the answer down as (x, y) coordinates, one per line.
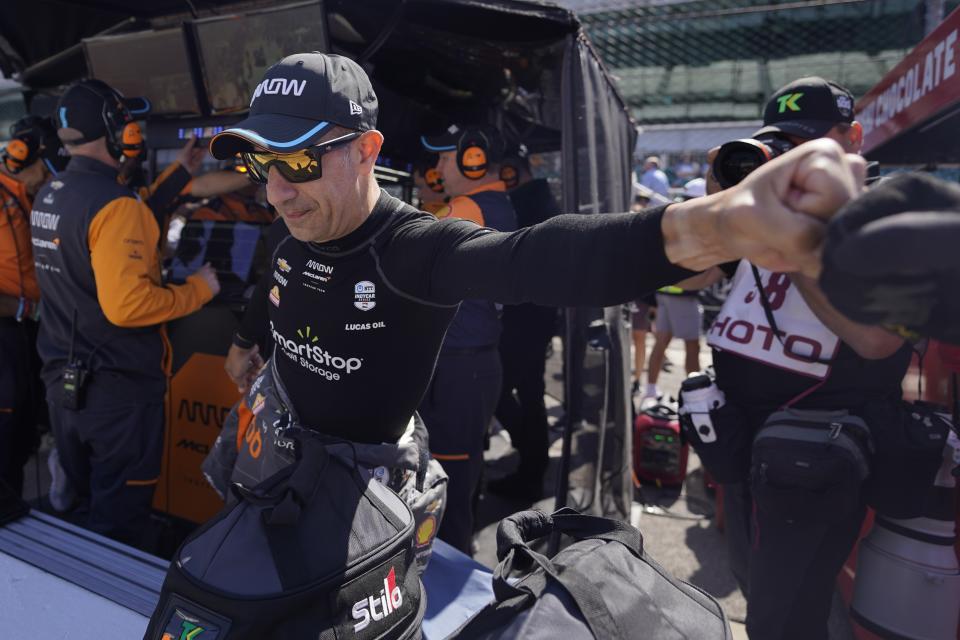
(924, 84)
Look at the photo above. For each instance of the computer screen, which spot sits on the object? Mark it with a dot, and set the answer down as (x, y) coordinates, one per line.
(149, 64)
(235, 50)
(230, 247)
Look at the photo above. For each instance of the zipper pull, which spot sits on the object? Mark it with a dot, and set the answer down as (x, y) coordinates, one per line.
(835, 428)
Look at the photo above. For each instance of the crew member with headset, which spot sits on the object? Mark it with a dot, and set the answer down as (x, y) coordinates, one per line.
(96, 248)
(25, 164)
(778, 343)
(527, 331)
(466, 382)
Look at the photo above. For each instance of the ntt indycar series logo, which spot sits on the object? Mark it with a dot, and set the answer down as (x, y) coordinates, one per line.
(305, 351)
(379, 606)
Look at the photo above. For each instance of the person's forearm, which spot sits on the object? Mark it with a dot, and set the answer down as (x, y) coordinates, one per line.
(255, 324)
(691, 234)
(217, 183)
(872, 343)
(702, 280)
(569, 260)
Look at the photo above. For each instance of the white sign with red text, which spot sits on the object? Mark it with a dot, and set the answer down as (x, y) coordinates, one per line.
(924, 84)
(742, 327)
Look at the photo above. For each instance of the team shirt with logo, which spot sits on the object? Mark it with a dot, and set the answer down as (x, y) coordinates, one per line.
(760, 368)
(357, 323)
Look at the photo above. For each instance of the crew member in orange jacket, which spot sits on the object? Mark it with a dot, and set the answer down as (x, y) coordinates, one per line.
(22, 172)
(96, 248)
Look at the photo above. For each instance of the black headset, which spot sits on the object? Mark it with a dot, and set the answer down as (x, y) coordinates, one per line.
(116, 118)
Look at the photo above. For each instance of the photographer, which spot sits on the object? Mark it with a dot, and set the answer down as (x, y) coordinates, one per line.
(778, 343)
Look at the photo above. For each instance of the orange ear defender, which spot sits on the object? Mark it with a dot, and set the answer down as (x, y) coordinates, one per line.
(433, 179)
(17, 156)
(131, 140)
(472, 154)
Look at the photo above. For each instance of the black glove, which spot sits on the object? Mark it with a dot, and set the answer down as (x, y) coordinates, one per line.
(892, 257)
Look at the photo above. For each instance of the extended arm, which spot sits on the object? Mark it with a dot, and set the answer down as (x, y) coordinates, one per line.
(870, 342)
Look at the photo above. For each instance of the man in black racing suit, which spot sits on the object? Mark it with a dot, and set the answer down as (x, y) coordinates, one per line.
(361, 286)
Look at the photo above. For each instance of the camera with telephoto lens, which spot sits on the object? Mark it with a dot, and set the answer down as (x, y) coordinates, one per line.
(737, 158)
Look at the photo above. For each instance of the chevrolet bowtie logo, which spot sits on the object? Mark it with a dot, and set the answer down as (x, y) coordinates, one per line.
(789, 101)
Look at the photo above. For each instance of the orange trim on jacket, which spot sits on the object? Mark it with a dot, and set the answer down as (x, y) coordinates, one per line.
(123, 238)
(17, 275)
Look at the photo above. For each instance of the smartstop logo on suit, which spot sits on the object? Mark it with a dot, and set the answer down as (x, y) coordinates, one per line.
(306, 351)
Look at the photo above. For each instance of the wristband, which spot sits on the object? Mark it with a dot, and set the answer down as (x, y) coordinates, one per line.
(242, 342)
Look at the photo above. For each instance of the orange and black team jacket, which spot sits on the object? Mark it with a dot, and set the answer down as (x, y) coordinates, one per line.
(96, 251)
(17, 278)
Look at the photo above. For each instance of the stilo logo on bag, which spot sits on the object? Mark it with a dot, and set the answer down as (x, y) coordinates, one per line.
(378, 606)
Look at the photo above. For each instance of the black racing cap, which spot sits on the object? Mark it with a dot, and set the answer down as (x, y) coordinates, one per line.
(86, 107)
(299, 99)
(449, 138)
(808, 107)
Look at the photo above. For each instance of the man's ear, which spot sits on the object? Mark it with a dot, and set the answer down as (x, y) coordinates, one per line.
(369, 145)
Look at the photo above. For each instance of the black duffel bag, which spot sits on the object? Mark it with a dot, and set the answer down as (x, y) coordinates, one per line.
(602, 586)
(313, 552)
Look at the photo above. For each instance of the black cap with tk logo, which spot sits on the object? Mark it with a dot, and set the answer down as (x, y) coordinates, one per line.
(808, 107)
(299, 99)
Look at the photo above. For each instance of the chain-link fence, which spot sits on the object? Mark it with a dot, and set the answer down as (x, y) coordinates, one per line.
(715, 60)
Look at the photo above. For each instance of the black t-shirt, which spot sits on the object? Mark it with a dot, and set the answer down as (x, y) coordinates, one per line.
(358, 322)
(848, 382)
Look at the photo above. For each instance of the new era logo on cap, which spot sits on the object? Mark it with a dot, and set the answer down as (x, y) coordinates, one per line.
(299, 100)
